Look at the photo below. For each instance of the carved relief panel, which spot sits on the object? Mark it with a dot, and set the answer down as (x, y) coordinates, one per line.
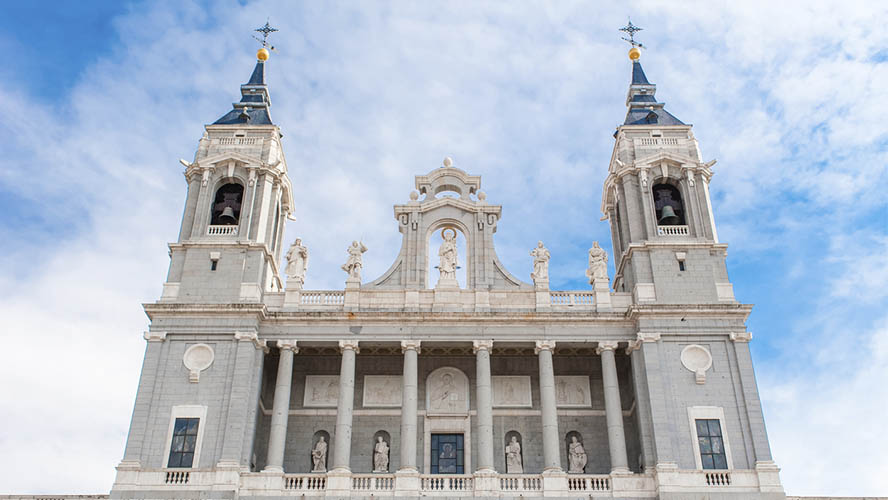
(447, 391)
(382, 391)
(321, 391)
(573, 391)
(511, 391)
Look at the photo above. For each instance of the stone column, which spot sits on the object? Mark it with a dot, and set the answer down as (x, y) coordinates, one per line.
(485, 411)
(551, 458)
(613, 410)
(132, 454)
(345, 407)
(281, 412)
(410, 348)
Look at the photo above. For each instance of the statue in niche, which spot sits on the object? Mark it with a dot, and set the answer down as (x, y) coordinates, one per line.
(297, 262)
(576, 456)
(449, 262)
(354, 264)
(540, 256)
(380, 455)
(513, 457)
(319, 456)
(597, 263)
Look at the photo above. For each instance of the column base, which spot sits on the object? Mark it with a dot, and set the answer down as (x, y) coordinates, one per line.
(273, 469)
(129, 465)
(620, 471)
(407, 483)
(485, 483)
(554, 483)
(339, 483)
(768, 476)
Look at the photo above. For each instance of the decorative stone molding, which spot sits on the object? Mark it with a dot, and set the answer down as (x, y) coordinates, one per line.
(697, 359)
(544, 345)
(288, 344)
(607, 345)
(741, 336)
(198, 358)
(155, 336)
(407, 345)
(478, 345)
(251, 337)
(648, 336)
(349, 344)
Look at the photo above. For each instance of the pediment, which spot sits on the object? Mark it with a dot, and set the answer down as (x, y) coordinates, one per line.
(665, 156)
(226, 156)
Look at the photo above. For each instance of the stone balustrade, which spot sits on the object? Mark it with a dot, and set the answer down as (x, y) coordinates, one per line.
(673, 231)
(446, 483)
(222, 230)
(588, 482)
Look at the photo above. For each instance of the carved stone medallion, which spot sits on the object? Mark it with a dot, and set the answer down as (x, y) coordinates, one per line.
(382, 391)
(198, 358)
(697, 359)
(321, 391)
(511, 391)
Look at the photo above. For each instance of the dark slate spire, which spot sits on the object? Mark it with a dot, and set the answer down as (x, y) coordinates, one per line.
(643, 106)
(255, 101)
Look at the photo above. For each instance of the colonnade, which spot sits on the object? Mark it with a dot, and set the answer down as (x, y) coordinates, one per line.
(483, 393)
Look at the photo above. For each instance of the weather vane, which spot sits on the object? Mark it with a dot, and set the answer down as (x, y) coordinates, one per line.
(265, 30)
(631, 30)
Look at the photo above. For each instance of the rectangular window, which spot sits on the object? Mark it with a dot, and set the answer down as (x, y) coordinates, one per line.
(184, 442)
(447, 454)
(711, 443)
(681, 265)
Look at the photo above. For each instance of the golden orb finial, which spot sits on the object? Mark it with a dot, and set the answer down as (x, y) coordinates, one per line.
(262, 54)
(634, 54)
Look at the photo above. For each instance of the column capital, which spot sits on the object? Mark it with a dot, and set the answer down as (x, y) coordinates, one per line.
(478, 345)
(154, 336)
(407, 345)
(288, 344)
(741, 336)
(607, 345)
(544, 345)
(349, 344)
(648, 336)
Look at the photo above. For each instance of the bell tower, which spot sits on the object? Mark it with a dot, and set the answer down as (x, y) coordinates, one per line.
(239, 196)
(656, 198)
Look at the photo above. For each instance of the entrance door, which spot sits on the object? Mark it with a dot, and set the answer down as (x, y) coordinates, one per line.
(447, 454)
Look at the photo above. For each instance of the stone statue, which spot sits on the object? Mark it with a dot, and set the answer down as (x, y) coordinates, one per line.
(319, 456)
(380, 455)
(576, 456)
(513, 457)
(540, 262)
(354, 264)
(297, 262)
(447, 254)
(597, 263)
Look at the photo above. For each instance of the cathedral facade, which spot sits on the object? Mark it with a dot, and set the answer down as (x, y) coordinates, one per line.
(413, 384)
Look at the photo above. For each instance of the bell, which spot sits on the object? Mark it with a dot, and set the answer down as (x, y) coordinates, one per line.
(668, 217)
(227, 217)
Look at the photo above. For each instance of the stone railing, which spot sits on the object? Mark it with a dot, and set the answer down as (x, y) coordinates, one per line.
(222, 230)
(521, 482)
(673, 230)
(305, 482)
(322, 298)
(718, 478)
(239, 141)
(588, 482)
(582, 299)
(657, 141)
(445, 483)
(373, 482)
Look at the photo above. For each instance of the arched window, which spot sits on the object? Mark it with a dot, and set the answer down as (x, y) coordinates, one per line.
(227, 205)
(667, 202)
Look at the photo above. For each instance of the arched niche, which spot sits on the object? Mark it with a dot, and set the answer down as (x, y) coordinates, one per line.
(375, 464)
(447, 391)
(666, 195)
(513, 465)
(227, 203)
(321, 464)
(575, 465)
(436, 235)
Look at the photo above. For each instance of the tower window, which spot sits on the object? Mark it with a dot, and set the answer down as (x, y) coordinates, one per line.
(709, 439)
(184, 442)
(667, 202)
(227, 205)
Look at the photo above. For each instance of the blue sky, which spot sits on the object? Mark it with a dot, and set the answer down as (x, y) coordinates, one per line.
(100, 102)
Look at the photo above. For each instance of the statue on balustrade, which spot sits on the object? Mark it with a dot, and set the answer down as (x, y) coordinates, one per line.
(513, 457)
(540, 256)
(354, 264)
(447, 253)
(380, 455)
(576, 456)
(597, 263)
(297, 263)
(319, 456)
